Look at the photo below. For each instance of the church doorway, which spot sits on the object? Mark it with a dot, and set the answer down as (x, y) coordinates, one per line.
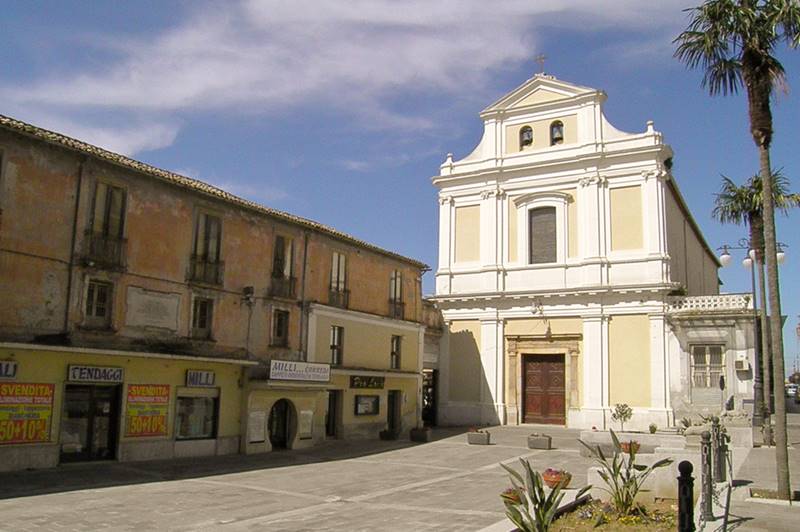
(543, 386)
(280, 422)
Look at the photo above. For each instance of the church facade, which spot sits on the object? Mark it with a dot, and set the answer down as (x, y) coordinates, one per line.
(572, 276)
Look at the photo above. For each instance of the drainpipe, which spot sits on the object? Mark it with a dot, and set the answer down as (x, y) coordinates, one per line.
(303, 304)
(71, 265)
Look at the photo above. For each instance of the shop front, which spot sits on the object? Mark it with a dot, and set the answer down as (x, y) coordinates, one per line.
(61, 405)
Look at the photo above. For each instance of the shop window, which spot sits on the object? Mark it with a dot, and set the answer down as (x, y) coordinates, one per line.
(708, 365)
(337, 345)
(394, 357)
(197, 418)
(98, 304)
(542, 235)
(525, 137)
(202, 316)
(556, 133)
(367, 405)
(280, 328)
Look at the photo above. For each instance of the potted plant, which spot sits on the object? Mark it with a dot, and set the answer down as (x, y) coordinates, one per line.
(421, 434)
(556, 478)
(622, 413)
(478, 437)
(630, 447)
(539, 441)
(653, 428)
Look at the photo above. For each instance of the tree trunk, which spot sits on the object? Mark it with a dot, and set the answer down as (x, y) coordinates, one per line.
(758, 81)
(775, 326)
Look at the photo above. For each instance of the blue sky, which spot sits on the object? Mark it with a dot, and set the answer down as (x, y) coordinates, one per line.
(341, 112)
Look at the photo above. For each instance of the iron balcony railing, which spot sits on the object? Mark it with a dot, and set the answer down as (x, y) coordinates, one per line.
(104, 250)
(396, 309)
(338, 298)
(281, 286)
(202, 270)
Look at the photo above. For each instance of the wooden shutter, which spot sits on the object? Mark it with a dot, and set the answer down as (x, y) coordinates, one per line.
(542, 235)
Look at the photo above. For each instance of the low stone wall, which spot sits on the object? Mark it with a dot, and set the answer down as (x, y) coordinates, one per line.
(649, 443)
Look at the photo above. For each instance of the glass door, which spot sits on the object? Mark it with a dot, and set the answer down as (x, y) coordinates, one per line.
(89, 424)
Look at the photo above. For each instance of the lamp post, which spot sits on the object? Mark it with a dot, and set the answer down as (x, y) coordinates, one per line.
(762, 349)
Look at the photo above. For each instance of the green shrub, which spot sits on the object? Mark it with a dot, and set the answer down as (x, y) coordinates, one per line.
(653, 428)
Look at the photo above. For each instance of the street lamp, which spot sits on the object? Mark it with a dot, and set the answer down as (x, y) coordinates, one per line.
(762, 347)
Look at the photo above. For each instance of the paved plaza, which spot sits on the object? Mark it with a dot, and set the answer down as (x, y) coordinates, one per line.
(341, 485)
(372, 485)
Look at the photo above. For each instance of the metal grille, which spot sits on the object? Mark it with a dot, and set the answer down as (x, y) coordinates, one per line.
(708, 364)
(542, 235)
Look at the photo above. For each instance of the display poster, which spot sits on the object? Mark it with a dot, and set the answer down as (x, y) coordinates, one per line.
(25, 412)
(147, 410)
(305, 424)
(257, 427)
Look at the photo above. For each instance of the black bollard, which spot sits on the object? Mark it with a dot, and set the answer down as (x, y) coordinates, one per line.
(706, 509)
(718, 459)
(685, 497)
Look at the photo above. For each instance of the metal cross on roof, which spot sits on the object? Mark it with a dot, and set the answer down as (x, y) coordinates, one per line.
(540, 59)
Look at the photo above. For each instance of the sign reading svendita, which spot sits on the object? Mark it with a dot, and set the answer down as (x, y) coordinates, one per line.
(299, 371)
(77, 373)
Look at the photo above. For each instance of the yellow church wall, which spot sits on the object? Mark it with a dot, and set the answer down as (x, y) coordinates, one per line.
(541, 133)
(468, 235)
(539, 96)
(537, 326)
(465, 361)
(626, 218)
(629, 360)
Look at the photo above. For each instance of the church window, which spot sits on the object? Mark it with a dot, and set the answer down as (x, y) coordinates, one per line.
(525, 137)
(556, 133)
(542, 235)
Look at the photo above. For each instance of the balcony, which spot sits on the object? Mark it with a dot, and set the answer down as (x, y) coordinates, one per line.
(714, 304)
(396, 309)
(339, 298)
(283, 287)
(104, 251)
(202, 270)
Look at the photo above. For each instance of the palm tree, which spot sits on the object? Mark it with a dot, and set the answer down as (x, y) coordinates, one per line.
(734, 42)
(744, 205)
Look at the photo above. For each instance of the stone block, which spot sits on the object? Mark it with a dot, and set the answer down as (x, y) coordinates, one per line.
(540, 441)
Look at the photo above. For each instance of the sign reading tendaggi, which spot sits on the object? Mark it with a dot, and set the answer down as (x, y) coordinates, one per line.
(94, 374)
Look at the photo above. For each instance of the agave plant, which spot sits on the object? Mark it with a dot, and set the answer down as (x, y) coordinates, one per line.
(622, 475)
(530, 506)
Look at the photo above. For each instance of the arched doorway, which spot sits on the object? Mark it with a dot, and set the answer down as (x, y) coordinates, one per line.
(280, 423)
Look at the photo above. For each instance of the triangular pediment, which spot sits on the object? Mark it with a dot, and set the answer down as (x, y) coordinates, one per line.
(540, 89)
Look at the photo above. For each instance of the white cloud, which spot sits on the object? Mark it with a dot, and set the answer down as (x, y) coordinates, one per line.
(264, 194)
(260, 56)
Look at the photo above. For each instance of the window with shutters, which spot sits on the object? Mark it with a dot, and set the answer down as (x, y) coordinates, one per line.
(105, 245)
(396, 305)
(283, 282)
(338, 294)
(202, 315)
(98, 304)
(206, 266)
(542, 235)
(708, 365)
(337, 345)
(394, 356)
(280, 328)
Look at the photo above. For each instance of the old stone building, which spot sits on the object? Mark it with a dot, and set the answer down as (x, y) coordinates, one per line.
(148, 315)
(572, 276)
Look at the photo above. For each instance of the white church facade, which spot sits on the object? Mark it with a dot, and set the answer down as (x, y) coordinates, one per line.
(572, 276)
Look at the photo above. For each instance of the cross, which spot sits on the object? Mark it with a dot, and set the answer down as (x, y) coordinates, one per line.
(540, 59)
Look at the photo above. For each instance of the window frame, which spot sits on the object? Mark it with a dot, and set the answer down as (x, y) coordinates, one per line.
(203, 218)
(90, 319)
(526, 143)
(709, 369)
(214, 397)
(283, 261)
(527, 202)
(202, 333)
(553, 126)
(277, 340)
(395, 351)
(337, 345)
(105, 218)
(396, 286)
(338, 280)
